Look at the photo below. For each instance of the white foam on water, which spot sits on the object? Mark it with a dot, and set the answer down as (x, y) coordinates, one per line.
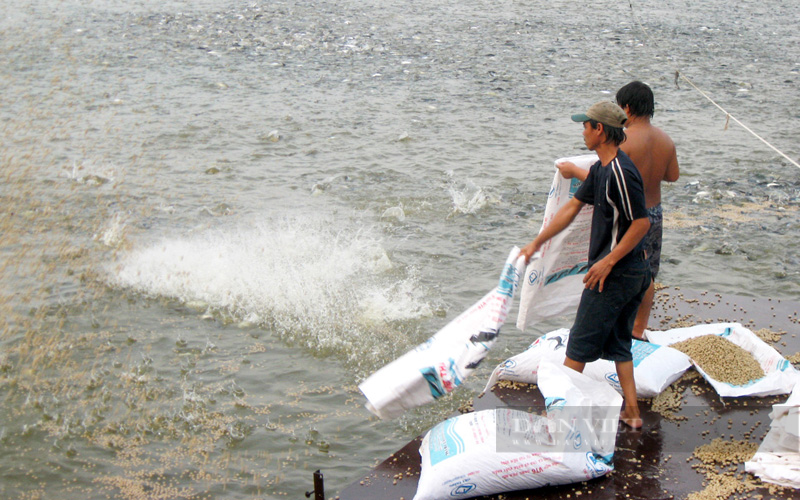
(90, 173)
(394, 213)
(319, 282)
(468, 197)
(113, 232)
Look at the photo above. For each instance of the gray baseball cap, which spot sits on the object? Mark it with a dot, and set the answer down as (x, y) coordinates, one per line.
(605, 112)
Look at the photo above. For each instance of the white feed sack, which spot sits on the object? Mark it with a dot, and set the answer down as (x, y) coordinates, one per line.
(780, 376)
(778, 458)
(552, 285)
(436, 367)
(655, 367)
(499, 450)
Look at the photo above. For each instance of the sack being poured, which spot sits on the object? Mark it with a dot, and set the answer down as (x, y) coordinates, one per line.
(436, 367)
(552, 285)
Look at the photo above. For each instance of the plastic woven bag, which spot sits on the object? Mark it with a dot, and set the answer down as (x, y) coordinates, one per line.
(779, 377)
(655, 367)
(494, 451)
(436, 367)
(552, 285)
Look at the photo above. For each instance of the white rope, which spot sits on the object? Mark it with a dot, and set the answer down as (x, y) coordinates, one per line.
(679, 74)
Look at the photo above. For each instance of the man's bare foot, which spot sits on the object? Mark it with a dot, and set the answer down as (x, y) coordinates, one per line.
(632, 421)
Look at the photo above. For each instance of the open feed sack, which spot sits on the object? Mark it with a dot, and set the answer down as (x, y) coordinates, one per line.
(552, 285)
(655, 367)
(436, 367)
(776, 374)
(503, 449)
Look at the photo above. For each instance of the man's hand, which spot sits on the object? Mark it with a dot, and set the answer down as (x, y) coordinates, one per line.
(529, 249)
(598, 273)
(569, 170)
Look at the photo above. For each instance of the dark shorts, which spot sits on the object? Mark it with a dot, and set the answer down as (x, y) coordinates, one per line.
(604, 322)
(652, 240)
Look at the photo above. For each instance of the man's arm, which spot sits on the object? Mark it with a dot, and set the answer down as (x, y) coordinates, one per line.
(672, 171)
(562, 219)
(602, 268)
(569, 170)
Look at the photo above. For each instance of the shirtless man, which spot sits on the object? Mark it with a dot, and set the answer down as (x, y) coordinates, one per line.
(653, 153)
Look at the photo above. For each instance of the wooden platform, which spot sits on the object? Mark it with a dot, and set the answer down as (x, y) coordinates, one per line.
(655, 462)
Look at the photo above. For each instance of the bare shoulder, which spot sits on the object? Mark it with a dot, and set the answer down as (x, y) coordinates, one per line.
(657, 141)
(635, 139)
(661, 136)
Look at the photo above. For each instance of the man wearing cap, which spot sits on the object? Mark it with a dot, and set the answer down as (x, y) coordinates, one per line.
(653, 153)
(618, 273)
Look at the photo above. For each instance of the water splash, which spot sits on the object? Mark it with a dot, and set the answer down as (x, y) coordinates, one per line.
(113, 234)
(89, 173)
(468, 197)
(396, 213)
(324, 284)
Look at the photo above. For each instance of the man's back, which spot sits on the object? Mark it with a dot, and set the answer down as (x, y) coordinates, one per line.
(653, 153)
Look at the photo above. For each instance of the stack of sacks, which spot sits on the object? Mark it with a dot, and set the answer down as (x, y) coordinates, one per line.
(494, 451)
(655, 367)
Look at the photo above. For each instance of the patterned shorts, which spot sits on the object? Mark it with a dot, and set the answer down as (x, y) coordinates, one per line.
(652, 240)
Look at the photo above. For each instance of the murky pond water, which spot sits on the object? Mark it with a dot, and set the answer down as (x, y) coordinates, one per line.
(218, 218)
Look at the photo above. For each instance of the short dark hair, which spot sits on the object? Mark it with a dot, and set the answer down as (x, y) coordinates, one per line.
(613, 134)
(638, 97)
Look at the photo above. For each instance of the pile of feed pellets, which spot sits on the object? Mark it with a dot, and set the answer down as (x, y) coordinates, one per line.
(719, 462)
(721, 359)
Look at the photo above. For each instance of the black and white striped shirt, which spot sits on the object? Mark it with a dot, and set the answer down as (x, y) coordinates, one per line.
(616, 191)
